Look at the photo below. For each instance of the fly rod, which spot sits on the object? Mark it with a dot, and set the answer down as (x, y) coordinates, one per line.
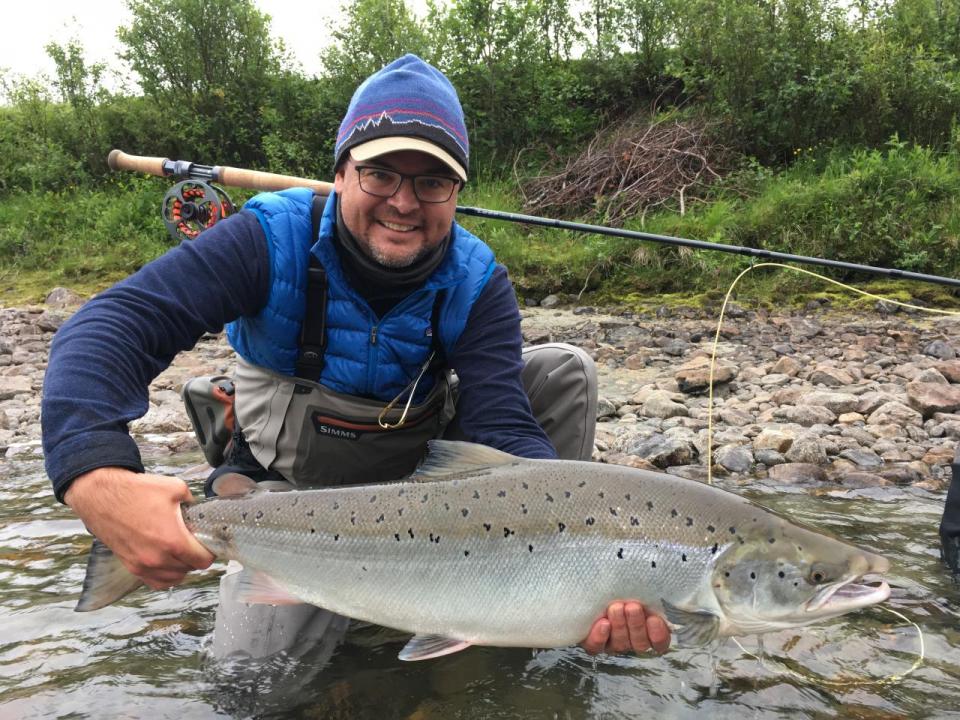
(195, 204)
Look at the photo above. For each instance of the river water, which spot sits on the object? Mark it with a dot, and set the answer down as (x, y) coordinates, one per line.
(144, 658)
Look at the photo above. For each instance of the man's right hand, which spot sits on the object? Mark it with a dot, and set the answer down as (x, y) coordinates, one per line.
(138, 517)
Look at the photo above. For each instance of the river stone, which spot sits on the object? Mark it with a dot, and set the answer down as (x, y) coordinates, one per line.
(61, 298)
(863, 458)
(805, 415)
(161, 419)
(805, 328)
(634, 461)
(929, 398)
(735, 458)
(950, 369)
(11, 386)
(850, 418)
(735, 417)
(550, 301)
(895, 413)
(785, 366)
(796, 472)
(769, 457)
(835, 402)
(694, 375)
(859, 479)
(940, 349)
(872, 400)
(664, 451)
(51, 320)
(807, 449)
(605, 408)
(770, 439)
(662, 405)
(830, 376)
(940, 455)
(900, 474)
(931, 375)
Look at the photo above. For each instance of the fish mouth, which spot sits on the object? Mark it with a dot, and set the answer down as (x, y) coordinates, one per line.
(848, 595)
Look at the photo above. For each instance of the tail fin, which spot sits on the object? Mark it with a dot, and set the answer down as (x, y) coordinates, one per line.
(107, 580)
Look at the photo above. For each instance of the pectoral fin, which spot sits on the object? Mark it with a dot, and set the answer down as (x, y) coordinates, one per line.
(258, 588)
(106, 581)
(697, 627)
(424, 647)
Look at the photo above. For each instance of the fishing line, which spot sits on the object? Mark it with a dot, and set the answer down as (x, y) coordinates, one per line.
(713, 360)
(850, 682)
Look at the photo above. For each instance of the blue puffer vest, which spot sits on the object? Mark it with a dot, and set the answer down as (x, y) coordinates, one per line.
(366, 356)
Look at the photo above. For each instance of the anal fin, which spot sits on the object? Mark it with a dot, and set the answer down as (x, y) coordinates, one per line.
(424, 647)
(255, 587)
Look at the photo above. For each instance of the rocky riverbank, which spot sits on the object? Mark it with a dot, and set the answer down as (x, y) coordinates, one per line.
(820, 399)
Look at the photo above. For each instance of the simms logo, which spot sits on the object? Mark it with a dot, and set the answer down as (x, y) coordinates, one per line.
(324, 426)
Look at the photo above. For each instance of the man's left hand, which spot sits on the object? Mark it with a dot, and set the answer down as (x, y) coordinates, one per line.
(627, 627)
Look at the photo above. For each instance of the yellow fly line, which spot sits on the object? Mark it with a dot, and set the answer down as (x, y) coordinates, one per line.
(837, 682)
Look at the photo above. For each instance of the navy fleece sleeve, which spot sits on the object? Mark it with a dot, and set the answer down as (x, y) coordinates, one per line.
(103, 359)
(493, 408)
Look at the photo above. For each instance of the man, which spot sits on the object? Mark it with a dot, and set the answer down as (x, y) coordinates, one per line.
(360, 320)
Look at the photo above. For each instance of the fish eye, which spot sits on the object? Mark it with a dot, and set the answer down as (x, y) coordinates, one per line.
(819, 574)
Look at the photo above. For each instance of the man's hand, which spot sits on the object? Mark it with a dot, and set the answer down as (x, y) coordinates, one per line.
(625, 627)
(138, 517)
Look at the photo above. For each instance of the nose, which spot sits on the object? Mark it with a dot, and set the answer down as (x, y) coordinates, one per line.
(404, 200)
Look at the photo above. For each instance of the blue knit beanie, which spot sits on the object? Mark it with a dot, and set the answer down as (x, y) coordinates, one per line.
(408, 105)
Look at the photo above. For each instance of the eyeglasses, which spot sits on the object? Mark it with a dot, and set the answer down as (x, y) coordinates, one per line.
(385, 183)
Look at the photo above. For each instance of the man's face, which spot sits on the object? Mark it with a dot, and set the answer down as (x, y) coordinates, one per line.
(398, 230)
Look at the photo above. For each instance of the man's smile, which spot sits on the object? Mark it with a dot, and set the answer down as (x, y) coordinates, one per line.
(398, 227)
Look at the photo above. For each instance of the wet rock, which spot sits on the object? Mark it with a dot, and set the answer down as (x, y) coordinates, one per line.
(795, 473)
(664, 451)
(769, 439)
(805, 415)
(786, 366)
(694, 375)
(735, 417)
(830, 376)
(950, 370)
(605, 408)
(735, 458)
(769, 457)
(850, 418)
(859, 479)
(835, 402)
(863, 458)
(550, 301)
(807, 449)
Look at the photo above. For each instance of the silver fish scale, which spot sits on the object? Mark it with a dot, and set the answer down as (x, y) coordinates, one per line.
(525, 554)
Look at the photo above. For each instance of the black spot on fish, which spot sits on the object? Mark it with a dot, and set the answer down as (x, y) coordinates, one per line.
(437, 539)
(674, 513)
(620, 553)
(295, 501)
(525, 486)
(733, 530)
(487, 526)
(476, 495)
(397, 536)
(753, 576)
(399, 512)
(649, 505)
(713, 550)
(523, 508)
(689, 521)
(373, 498)
(561, 527)
(581, 483)
(259, 514)
(223, 528)
(431, 537)
(380, 519)
(796, 584)
(464, 512)
(502, 493)
(446, 506)
(566, 493)
(312, 530)
(401, 492)
(336, 506)
(627, 497)
(727, 574)
(549, 497)
(530, 548)
(600, 495)
(426, 496)
(634, 520)
(466, 553)
(781, 574)
(711, 528)
(590, 521)
(364, 567)
(613, 511)
(244, 515)
(772, 540)
(507, 532)
(653, 563)
(683, 557)
(741, 540)
(200, 515)
(410, 533)
(336, 538)
(353, 518)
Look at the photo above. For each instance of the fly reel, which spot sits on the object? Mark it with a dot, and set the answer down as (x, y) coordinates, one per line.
(192, 206)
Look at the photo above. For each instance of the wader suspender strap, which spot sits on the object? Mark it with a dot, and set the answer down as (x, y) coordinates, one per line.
(313, 331)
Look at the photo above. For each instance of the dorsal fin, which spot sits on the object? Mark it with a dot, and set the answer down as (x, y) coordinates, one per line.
(449, 457)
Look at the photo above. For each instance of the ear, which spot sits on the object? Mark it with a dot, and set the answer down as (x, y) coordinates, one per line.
(339, 178)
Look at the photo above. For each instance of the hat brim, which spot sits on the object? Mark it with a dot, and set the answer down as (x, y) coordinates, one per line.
(395, 143)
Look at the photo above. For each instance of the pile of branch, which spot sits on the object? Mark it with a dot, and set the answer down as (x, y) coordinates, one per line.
(630, 168)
